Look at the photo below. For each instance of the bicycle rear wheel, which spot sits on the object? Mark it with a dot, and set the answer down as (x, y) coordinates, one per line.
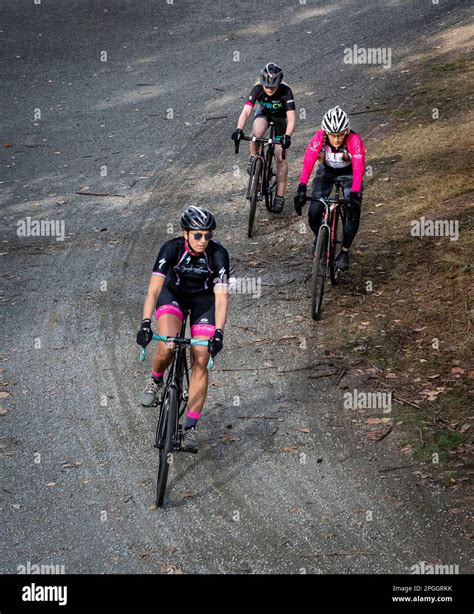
(165, 435)
(319, 272)
(254, 188)
(337, 235)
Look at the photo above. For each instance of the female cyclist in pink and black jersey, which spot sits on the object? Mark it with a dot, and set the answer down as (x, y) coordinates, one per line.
(341, 153)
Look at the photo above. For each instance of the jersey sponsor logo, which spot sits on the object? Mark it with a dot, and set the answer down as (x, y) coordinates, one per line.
(275, 105)
(222, 272)
(335, 159)
(203, 321)
(162, 262)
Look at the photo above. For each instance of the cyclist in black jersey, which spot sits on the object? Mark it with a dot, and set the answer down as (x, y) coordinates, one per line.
(276, 102)
(192, 272)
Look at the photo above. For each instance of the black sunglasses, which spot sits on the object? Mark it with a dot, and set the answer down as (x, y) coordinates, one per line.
(199, 235)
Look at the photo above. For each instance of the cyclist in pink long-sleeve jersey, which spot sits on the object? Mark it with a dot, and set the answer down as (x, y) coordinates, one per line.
(341, 153)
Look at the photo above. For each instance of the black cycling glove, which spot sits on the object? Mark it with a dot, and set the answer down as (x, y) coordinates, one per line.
(286, 141)
(145, 334)
(356, 199)
(300, 198)
(216, 343)
(237, 134)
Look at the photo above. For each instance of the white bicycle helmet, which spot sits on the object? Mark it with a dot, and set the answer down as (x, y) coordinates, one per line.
(335, 121)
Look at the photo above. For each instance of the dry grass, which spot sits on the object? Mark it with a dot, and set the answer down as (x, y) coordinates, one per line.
(415, 325)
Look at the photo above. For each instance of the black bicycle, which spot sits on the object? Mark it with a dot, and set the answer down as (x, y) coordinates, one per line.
(263, 178)
(173, 402)
(330, 236)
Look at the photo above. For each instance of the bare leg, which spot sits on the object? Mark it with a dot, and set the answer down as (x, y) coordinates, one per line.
(260, 126)
(282, 170)
(169, 326)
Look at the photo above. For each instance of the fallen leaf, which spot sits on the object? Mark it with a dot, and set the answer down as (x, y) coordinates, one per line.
(304, 430)
(290, 449)
(379, 434)
(51, 484)
(4, 411)
(391, 376)
(4, 395)
(374, 421)
(464, 428)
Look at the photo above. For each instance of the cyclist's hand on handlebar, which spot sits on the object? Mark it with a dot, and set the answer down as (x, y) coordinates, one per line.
(216, 342)
(355, 199)
(237, 135)
(145, 334)
(300, 198)
(286, 141)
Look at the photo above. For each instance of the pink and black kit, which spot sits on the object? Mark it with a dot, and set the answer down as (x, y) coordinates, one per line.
(190, 282)
(345, 164)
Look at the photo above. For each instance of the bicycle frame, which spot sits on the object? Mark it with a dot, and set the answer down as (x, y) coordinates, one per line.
(330, 217)
(263, 143)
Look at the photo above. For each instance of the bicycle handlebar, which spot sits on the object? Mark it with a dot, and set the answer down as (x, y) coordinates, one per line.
(254, 139)
(182, 341)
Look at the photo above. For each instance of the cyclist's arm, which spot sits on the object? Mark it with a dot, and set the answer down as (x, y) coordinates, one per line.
(291, 122)
(244, 116)
(166, 256)
(311, 156)
(154, 288)
(222, 302)
(221, 285)
(356, 148)
(248, 106)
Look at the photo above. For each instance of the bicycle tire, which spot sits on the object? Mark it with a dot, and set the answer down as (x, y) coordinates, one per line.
(336, 240)
(256, 173)
(270, 182)
(168, 424)
(319, 273)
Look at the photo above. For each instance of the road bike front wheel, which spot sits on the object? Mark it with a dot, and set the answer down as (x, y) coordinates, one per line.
(166, 433)
(254, 189)
(319, 272)
(337, 236)
(270, 182)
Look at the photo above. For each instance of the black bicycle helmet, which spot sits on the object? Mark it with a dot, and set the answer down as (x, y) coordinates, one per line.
(271, 75)
(197, 218)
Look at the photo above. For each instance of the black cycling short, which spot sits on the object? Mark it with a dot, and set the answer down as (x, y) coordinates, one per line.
(202, 316)
(280, 122)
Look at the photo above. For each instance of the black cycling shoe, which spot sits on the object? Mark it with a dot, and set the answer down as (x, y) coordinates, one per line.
(342, 261)
(278, 203)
